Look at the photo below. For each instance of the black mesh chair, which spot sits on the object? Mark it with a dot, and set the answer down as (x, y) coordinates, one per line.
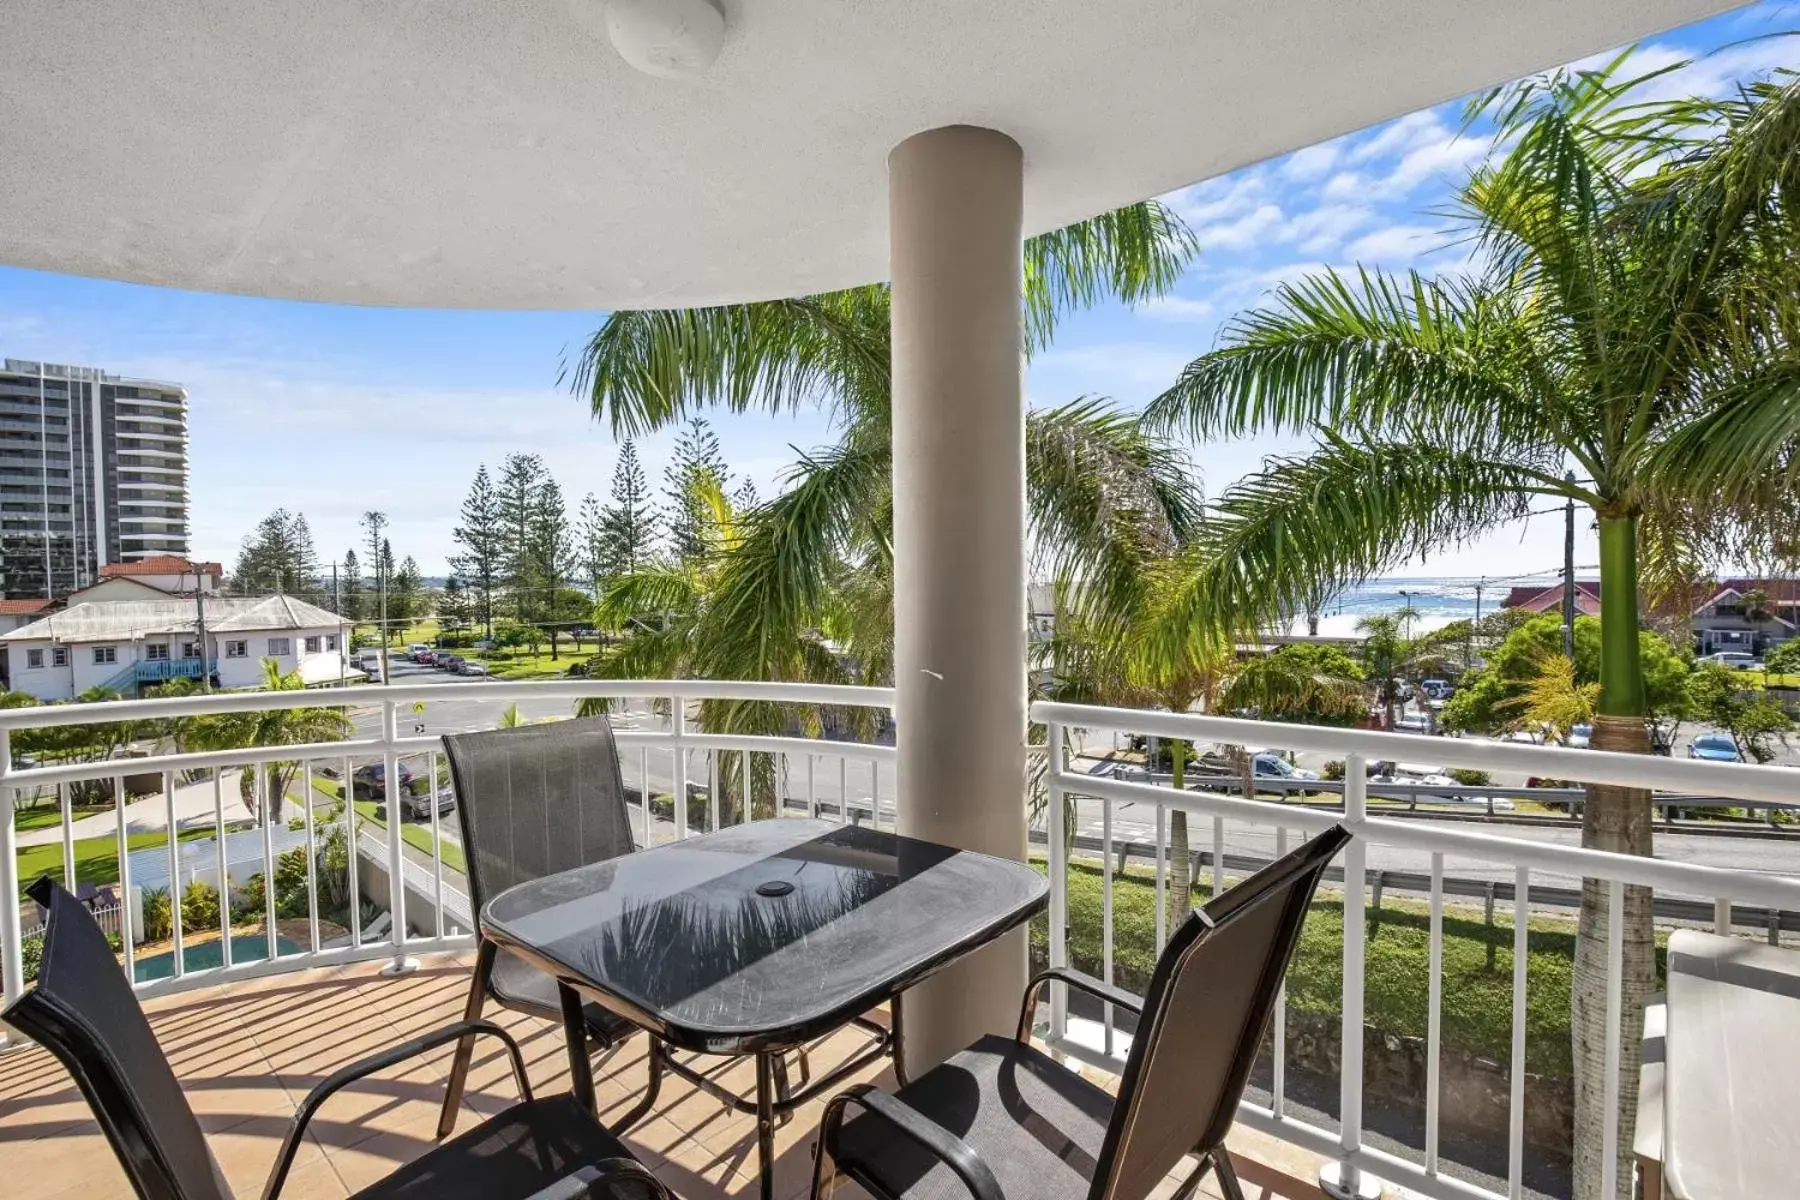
(1003, 1121)
(85, 1013)
(532, 801)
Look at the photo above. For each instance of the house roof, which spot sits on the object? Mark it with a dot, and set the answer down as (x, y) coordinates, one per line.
(161, 564)
(15, 608)
(444, 154)
(1549, 597)
(127, 620)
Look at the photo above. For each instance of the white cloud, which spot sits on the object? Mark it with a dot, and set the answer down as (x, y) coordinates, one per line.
(1106, 366)
(1347, 185)
(1175, 308)
(1399, 136)
(1217, 199)
(1398, 244)
(1311, 162)
(1324, 228)
(1239, 232)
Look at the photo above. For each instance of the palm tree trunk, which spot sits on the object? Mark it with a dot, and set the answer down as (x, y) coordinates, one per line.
(1181, 859)
(1615, 819)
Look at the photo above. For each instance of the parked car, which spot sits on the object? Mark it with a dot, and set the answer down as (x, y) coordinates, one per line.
(471, 667)
(1412, 723)
(1578, 736)
(1269, 765)
(1436, 689)
(369, 781)
(1423, 775)
(448, 662)
(1736, 659)
(1714, 747)
(417, 648)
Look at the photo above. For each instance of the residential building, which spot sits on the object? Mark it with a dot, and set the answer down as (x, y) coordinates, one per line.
(93, 471)
(1744, 614)
(150, 579)
(122, 645)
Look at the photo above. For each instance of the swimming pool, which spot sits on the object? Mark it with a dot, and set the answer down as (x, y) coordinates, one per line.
(245, 947)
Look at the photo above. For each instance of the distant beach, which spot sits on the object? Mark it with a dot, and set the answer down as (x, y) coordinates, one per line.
(1435, 604)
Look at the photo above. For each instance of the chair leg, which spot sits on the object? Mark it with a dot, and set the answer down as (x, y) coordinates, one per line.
(824, 1170)
(1228, 1180)
(465, 1047)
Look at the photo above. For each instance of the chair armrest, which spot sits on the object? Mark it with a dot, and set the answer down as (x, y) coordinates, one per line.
(363, 1068)
(945, 1146)
(594, 1181)
(1116, 996)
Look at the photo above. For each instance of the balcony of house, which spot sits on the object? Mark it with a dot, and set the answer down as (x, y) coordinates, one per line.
(1423, 1037)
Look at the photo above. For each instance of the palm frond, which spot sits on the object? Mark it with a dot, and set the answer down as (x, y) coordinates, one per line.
(1129, 254)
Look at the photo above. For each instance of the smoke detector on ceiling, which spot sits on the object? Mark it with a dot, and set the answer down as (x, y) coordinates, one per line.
(670, 39)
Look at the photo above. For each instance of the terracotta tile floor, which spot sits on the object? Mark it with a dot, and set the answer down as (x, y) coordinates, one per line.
(248, 1052)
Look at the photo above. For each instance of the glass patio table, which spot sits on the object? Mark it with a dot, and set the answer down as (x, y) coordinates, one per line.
(755, 940)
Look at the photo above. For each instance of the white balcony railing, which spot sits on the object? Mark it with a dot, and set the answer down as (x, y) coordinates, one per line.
(1430, 1172)
(182, 830)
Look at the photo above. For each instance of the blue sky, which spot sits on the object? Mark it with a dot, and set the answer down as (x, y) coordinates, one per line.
(332, 410)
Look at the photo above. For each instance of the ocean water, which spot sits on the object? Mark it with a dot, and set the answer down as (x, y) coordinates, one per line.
(1435, 603)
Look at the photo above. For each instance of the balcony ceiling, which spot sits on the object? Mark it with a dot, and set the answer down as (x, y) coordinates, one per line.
(479, 153)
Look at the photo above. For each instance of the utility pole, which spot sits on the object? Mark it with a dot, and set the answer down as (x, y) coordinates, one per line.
(1569, 573)
(200, 626)
(1469, 640)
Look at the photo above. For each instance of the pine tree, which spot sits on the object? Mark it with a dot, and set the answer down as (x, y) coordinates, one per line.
(627, 525)
(351, 588)
(453, 604)
(276, 556)
(482, 537)
(745, 498)
(522, 478)
(406, 603)
(552, 552)
(590, 541)
(696, 459)
(373, 523)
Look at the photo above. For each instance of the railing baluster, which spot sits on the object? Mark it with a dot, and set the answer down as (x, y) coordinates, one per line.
(1515, 1137)
(712, 791)
(678, 728)
(1615, 1017)
(1434, 1012)
(12, 952)
(68, 832)
(223, 891)
(843, 790)
(1162, 878)
(437, 843)
(812, 785)
(1278, 1050)
(1058, 858)
(1106, 913)
(875, 792)
(1344, 1178)
(352, 852)
(1722, 916)
(312, 856)
(1218, 856)
(265, 789)
(392, 789)
(174, 873)
(644, 793)
(125, 928)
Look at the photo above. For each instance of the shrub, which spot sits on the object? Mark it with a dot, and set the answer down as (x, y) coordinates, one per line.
(32, 951)
(1333, 770)
(247, 903)
(158, 916)
(290, 883)
(199, 907)
(1470, 777)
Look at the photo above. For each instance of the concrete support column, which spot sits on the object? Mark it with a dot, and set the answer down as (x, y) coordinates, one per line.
(955, 197)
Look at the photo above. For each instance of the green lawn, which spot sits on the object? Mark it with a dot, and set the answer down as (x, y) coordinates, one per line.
(47, 814)
(1477, 999)
(96, 858)
(525, 665)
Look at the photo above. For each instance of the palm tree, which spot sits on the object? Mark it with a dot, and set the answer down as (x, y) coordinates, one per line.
(271, 727)
(1634, 325)
(1390, 658)
(816, 561)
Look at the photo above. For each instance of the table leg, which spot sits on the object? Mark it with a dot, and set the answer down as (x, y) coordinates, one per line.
(765, 1121)
(581, 1071)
